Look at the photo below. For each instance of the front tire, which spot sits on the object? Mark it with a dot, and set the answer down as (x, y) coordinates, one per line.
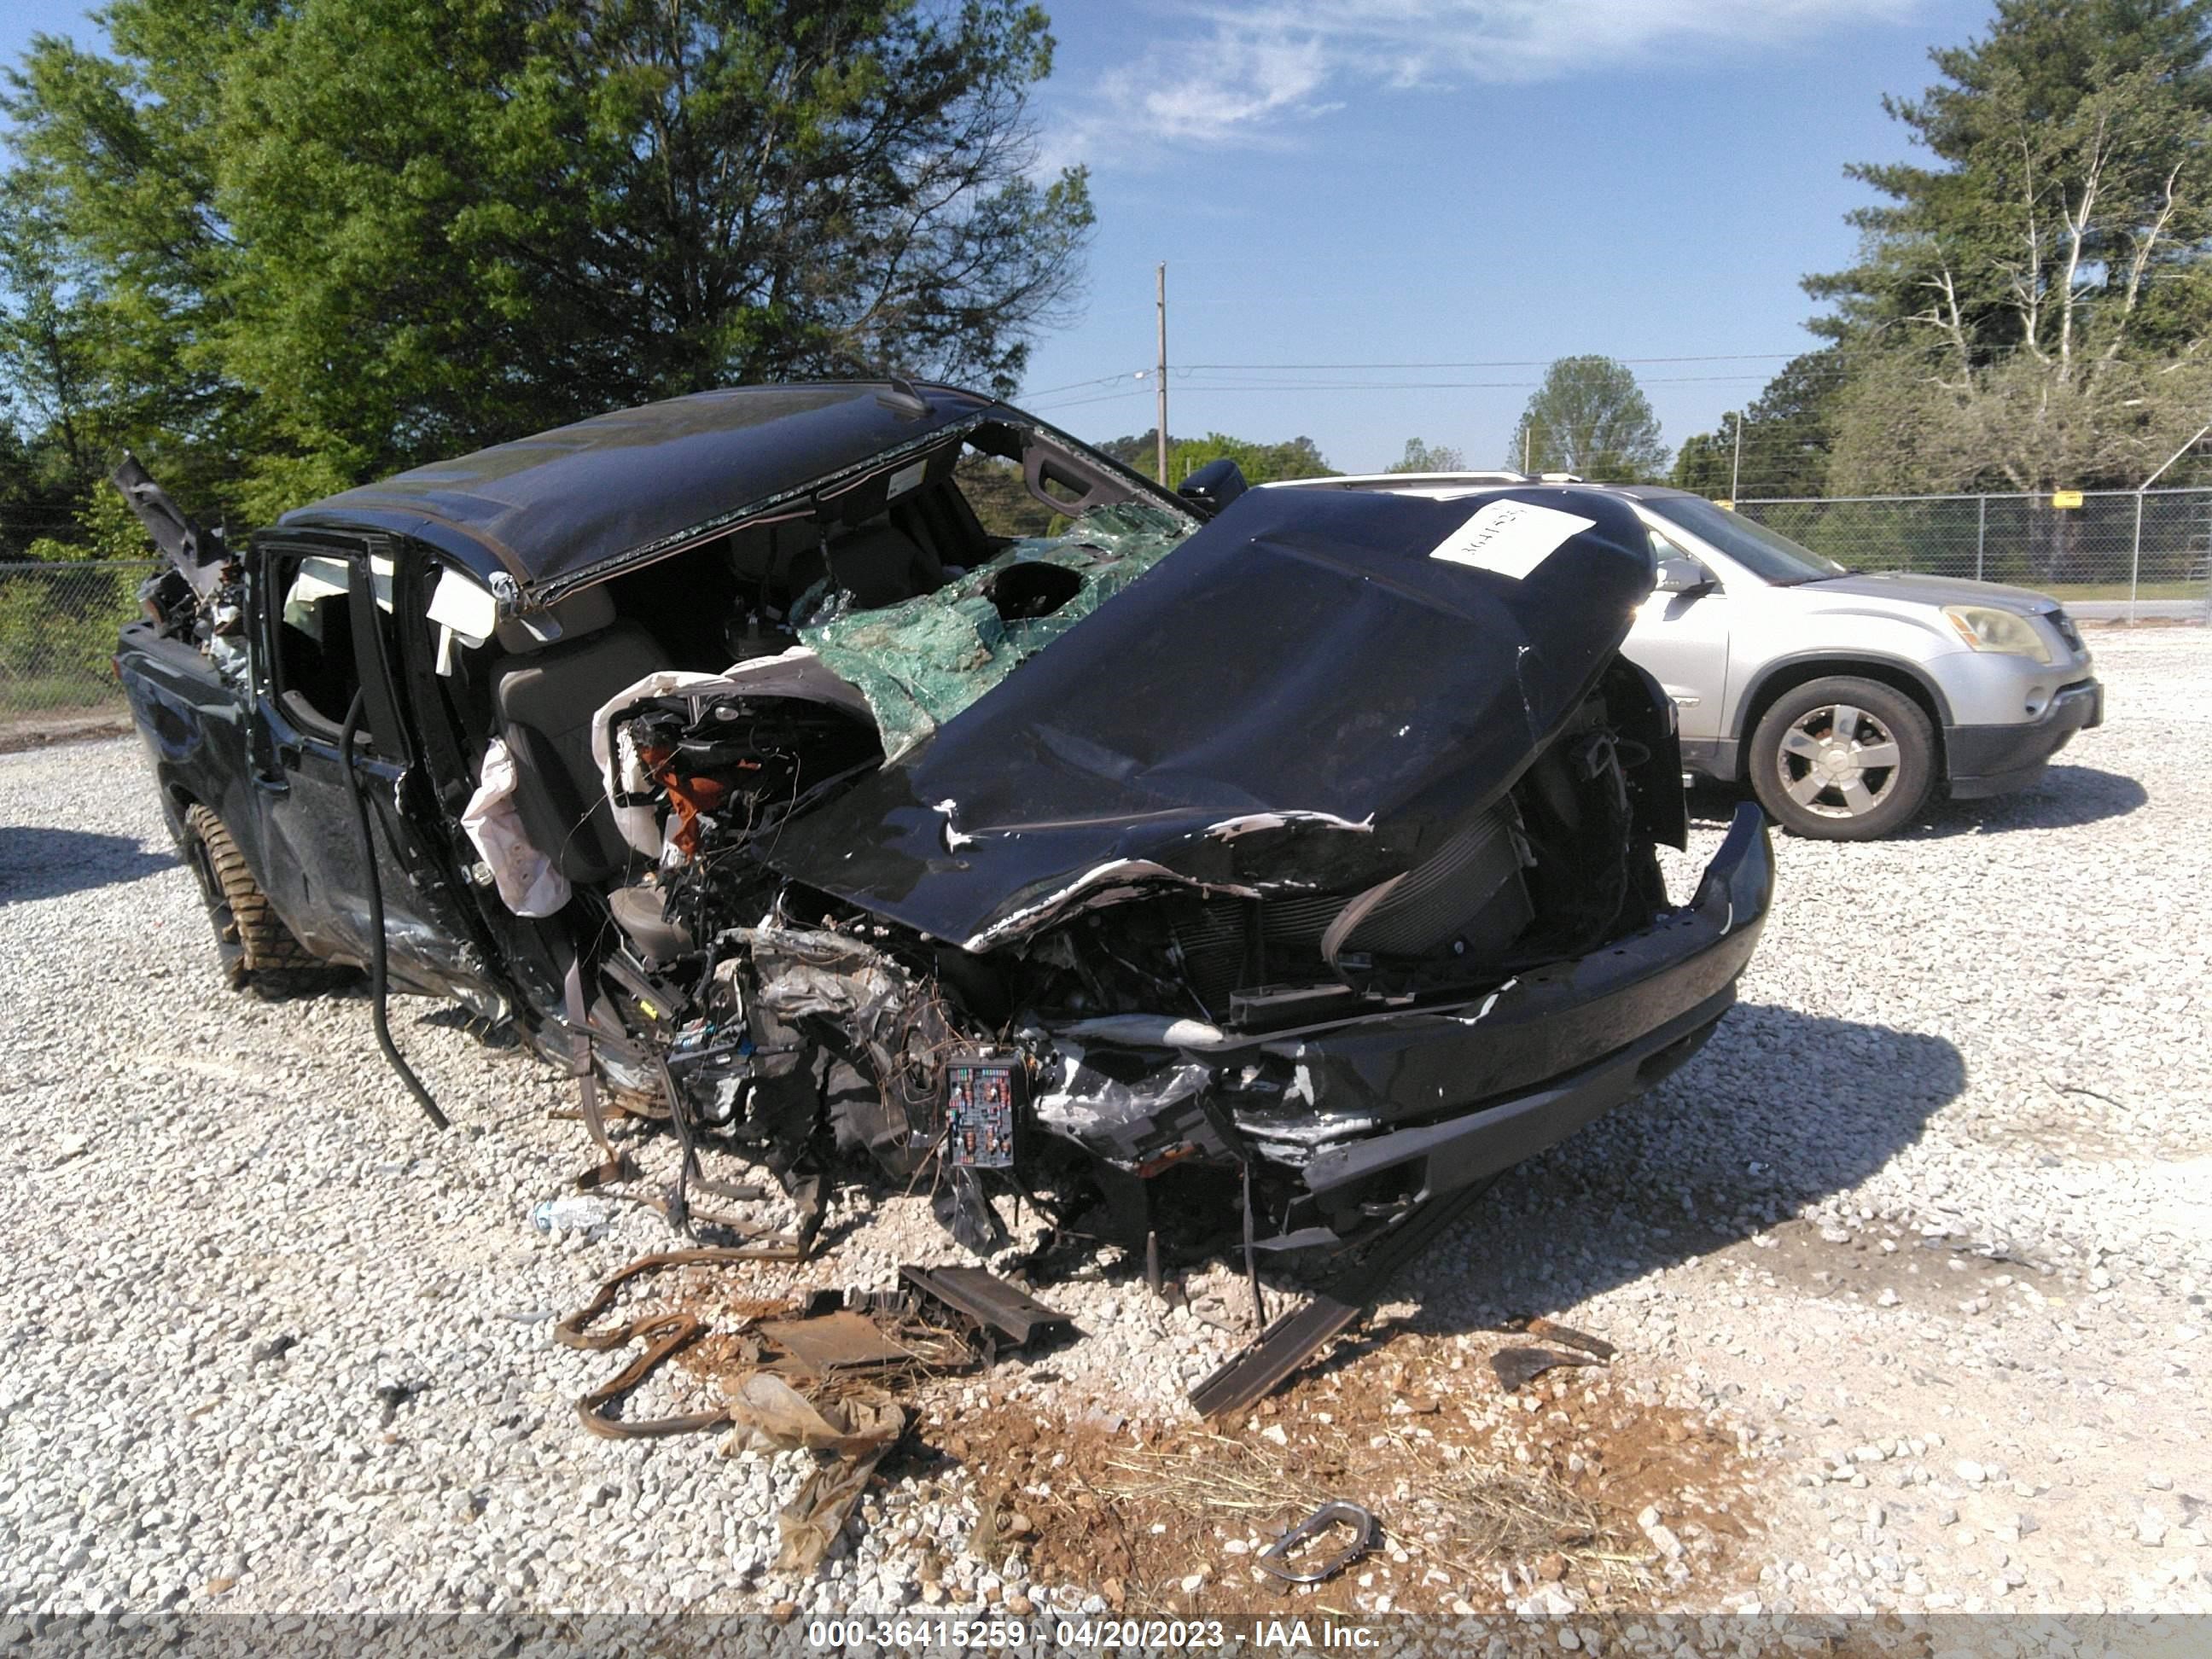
(257, 951)
(1843, 759)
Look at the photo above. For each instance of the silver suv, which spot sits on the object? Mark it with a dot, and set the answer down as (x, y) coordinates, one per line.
(1842, 698)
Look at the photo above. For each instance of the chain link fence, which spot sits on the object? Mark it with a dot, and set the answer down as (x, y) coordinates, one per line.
(2148, 551)
(2126, 552)
(58, 626)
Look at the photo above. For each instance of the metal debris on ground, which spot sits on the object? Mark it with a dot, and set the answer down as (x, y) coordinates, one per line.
(809, 1374)
(1366, 1532)
(825, 1343)
(663, 1334)
(1517, 1367)
(1295, 1336)
(989, 1306)
(1568, 1336)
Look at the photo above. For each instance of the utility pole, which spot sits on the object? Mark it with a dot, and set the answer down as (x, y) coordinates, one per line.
(1163, 372)
(1735, 467)
(1528, 430)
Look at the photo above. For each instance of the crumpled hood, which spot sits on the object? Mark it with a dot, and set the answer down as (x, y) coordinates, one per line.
(1310, 692)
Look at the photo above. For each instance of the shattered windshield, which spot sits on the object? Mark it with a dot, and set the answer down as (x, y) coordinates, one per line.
(923, 661)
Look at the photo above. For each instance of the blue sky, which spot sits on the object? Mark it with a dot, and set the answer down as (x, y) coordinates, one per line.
(1394, 181)
(1462, 181)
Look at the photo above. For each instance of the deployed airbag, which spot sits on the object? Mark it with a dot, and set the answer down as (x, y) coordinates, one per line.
(529, 882)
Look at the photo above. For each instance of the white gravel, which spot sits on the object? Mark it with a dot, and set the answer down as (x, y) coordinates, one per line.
(1928, 1222)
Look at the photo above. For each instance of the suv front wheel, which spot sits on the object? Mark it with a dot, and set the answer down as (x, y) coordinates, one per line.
(256, 949)
(1843, 759)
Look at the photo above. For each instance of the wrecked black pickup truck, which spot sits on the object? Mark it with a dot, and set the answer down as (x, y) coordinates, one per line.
(1241, 869)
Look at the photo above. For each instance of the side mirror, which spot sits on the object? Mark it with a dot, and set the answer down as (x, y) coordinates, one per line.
(1683, 576)
(1214, 486)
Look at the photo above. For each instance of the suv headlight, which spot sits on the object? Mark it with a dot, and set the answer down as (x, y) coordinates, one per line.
(2001, 631)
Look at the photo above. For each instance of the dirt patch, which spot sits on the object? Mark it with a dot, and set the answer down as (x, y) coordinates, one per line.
(22, 732)
(1483, 1496)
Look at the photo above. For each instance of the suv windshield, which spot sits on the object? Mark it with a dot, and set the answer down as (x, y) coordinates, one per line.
(1768, 555)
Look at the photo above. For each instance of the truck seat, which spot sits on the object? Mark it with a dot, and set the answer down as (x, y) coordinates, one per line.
(877, 563)
(546, 692)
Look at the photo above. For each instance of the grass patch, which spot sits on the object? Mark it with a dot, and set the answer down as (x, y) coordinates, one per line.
(2119, 590)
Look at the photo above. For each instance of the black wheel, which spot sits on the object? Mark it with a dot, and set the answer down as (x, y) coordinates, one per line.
(256, 949)
(1843, 759)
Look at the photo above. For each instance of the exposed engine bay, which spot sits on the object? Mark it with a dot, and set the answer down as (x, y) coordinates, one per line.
(1087, 977)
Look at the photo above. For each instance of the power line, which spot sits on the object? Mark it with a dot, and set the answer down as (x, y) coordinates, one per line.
(1079, 403)
(1448, 385)
(1366, 385)
(1511, 362)
(1184, 371)
(1096, 379)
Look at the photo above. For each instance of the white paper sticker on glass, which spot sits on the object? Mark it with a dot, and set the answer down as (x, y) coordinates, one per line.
(1510, 538)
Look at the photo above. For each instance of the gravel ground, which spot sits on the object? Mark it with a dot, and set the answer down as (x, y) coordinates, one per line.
(1925, 1230)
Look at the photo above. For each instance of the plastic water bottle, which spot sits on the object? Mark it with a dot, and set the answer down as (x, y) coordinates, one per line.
(571, 1213)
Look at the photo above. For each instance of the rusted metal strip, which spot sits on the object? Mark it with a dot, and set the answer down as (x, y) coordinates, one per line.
(1260, 1368)
(573, 1333)
(989, 1301)
(663, 1336)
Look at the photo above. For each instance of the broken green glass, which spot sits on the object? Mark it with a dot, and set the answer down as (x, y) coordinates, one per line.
(922, 662)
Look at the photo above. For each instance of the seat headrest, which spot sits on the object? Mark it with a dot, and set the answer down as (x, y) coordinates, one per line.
(878, 540)
(578, 614)
(880, 565)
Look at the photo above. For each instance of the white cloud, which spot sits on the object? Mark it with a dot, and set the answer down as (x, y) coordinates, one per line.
(1223, 88)
(1227, 73)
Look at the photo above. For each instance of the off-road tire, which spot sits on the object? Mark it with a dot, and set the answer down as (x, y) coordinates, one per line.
(256, 949)
(1797, 736)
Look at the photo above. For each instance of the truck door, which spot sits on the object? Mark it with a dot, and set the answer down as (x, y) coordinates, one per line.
(324, 633)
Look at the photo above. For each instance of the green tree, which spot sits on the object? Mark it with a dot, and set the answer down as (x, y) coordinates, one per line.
(1591, 418)
(1296, 458)
(1002, 502)
(1420, 457)
(1139, 450)
(337, 237)
(2032, 312)
(1707, 460)
(1787, 437)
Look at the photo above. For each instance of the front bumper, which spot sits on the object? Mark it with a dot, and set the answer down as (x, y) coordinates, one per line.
(1370, 1113)
(1988, 760)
